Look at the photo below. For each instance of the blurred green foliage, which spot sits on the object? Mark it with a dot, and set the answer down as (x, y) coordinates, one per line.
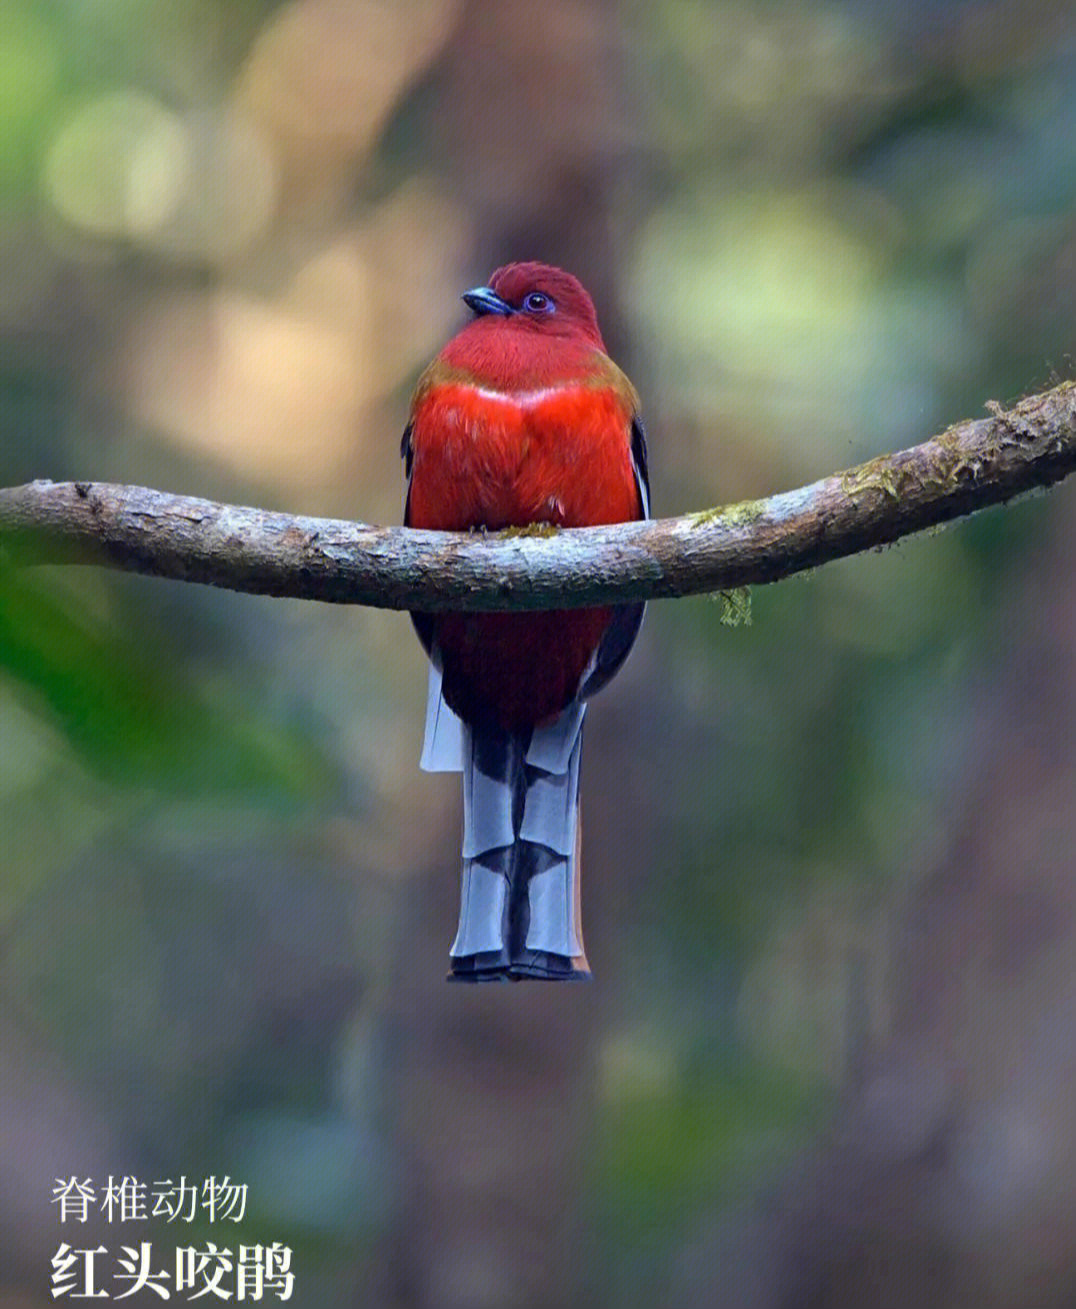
(133, 713)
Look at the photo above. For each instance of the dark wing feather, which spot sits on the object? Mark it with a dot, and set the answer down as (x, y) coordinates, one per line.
(639, 463)
(407, 452)
(422, 623)
(627, 619)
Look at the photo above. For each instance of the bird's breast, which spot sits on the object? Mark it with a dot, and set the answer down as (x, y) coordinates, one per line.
(488, 458)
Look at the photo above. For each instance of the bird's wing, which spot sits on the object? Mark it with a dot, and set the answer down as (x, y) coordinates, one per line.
(639, 464)
(422, 623)
(620, 635)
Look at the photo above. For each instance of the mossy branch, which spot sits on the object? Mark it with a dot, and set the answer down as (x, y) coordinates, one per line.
(970, 466)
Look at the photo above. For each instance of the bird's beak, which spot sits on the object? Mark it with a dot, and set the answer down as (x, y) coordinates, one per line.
(482, 300)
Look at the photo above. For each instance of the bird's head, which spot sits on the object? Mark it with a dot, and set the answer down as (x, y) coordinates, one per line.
(536, 298)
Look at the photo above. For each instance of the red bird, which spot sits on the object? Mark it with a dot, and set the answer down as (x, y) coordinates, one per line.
(522, 418)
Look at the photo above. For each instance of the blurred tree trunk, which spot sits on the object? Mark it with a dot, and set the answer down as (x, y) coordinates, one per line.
(495, 1084)
(535, 132)
(951, 1179)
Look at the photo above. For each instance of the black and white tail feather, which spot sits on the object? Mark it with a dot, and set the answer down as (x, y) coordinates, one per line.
(520, 894)
(519, 909)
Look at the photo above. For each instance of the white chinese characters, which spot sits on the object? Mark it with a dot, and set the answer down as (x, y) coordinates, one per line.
(129, 1200)
(249, 1272)
(198, 1271)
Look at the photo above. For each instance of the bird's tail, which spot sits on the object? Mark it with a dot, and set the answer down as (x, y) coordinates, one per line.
(519, 903)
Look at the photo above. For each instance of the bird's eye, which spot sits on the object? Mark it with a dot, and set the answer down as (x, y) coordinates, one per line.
(537, 303)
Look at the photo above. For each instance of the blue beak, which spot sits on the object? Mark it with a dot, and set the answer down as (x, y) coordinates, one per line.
(482, 300)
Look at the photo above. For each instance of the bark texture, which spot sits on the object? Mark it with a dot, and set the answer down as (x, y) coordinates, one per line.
(968, 467)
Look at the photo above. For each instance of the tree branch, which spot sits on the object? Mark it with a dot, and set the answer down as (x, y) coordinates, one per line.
(972, 465)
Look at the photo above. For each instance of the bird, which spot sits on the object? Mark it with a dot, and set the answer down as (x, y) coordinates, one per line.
(522, 419)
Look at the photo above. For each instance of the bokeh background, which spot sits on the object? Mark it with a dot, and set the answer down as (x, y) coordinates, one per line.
(830, 1055)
